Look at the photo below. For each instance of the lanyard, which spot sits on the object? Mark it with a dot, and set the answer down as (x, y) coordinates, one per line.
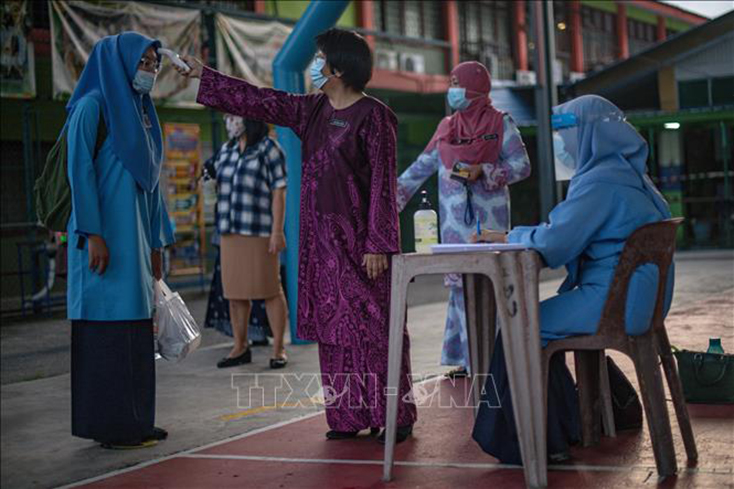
(469, 210)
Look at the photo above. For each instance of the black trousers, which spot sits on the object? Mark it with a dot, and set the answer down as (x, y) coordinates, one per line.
(495, 430)
(112, 380)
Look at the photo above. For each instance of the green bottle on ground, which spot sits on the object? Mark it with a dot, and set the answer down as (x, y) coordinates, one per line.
(715, 346)
(425, 225)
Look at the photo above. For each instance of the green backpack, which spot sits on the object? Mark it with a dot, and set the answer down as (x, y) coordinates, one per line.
(52, 190)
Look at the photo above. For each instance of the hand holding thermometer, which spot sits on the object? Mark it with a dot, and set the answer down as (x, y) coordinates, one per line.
(175, 58)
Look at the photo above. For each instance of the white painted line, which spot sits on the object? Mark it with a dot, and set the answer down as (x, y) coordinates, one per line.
(460, 465)
(215, 347)
(189, 451)
(204, 447)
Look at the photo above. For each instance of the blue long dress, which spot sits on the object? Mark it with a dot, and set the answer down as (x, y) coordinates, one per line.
(115, 195)
(609, 197)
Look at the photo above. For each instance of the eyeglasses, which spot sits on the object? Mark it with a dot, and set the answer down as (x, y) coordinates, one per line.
(152, 64)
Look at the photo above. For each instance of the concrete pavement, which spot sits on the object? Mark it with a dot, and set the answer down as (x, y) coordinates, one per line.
(199, 405)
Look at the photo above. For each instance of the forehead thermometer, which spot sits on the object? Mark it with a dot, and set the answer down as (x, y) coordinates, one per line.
(175, 58)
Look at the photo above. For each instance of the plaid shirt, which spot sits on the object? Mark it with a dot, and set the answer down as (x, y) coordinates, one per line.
(245, 183)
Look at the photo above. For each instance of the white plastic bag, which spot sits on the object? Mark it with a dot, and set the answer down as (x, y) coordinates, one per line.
(178, 334)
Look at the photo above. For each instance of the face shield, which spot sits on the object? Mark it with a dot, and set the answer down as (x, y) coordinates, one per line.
(566, 141)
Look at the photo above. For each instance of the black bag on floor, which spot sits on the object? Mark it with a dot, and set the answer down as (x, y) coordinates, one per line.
(625, 402)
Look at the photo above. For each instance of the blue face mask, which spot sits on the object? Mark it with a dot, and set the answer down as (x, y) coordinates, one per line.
(457, 98)
(317, 78)
(143, 81)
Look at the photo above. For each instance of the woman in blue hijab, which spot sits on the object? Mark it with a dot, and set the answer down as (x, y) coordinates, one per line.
(118, 226)
(610, 195)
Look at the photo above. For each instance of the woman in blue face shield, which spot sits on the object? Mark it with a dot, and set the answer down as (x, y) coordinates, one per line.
(610, 195)
(118, 226)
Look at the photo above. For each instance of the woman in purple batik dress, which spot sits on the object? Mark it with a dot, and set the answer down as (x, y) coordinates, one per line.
(349, 223)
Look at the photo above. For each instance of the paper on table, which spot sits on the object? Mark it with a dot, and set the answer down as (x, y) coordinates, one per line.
(475, 247)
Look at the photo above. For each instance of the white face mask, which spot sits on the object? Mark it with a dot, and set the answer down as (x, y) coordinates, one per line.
(144, 81)
(235, 126)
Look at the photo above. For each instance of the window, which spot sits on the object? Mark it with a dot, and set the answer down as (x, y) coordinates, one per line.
(600, 37)
(411, 18)
(704, 93)
(693, 93)
(722, 91)
(641, 35)
(484, 36)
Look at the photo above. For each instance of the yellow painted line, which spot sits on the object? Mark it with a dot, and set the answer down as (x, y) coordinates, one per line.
(262, 409)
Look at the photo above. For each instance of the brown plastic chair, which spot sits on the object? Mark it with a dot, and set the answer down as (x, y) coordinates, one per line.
(652, 243)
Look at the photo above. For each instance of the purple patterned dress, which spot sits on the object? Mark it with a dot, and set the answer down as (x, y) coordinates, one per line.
(348, 208)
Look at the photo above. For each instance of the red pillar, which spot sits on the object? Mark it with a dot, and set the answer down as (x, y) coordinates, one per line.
(260, 7)
(662, 31)
(521, 35)
(451, 25)
(623, 46)
(577, 46)
(366, 14)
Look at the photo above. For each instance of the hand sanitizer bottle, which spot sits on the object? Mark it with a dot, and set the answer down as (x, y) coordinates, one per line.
(425, 226)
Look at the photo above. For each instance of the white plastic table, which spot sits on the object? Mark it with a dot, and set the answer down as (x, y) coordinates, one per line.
(505, 281)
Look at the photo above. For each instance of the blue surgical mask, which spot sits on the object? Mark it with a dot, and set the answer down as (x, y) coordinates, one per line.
(143, 81)
(457, 98)
(317, 78)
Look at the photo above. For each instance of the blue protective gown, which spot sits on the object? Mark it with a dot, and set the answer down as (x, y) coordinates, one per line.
(609, 197)
(107, 201)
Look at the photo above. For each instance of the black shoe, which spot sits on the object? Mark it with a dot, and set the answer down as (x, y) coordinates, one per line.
(402, 434)
(374, 431)
(245, 357)
(158, 434)
(129, 445)
(457, 373)
(276, 363)
(558, 458)
(264, 342)
(341, 435)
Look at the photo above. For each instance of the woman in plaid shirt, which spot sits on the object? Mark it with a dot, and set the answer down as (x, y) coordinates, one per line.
(251, 181)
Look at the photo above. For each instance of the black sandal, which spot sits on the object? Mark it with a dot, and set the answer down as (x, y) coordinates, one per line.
(341, 435)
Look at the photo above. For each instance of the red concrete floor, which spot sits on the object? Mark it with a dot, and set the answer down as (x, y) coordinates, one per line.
(441, 455)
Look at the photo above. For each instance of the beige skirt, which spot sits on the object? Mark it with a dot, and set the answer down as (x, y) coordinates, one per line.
(248, 270)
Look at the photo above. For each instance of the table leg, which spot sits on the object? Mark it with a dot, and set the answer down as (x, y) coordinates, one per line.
(397, 324)
(516, 292)
(472, 299)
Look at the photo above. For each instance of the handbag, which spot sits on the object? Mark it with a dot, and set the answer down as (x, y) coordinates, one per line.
(178, 335)
(626, 406)
(707, 378)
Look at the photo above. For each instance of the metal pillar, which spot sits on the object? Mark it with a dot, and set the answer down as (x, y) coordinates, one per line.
(545, 98)
(288, 68)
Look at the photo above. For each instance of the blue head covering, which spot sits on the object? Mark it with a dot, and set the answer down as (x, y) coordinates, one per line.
(608, 149)
(108, 76)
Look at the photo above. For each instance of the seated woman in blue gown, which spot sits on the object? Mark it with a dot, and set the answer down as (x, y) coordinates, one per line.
(610, 195)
